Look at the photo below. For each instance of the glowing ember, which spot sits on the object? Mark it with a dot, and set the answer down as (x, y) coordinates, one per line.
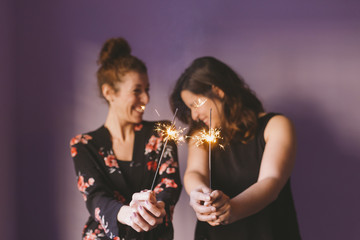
(204, 136)
(170, 132)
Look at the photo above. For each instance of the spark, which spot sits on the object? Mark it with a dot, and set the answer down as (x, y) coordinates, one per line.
(143, 107)
(206, 136)
(170, 132)
(157, 113)
(199, 102)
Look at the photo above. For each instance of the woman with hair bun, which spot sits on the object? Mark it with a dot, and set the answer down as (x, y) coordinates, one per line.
(116, 163)
(249, 196)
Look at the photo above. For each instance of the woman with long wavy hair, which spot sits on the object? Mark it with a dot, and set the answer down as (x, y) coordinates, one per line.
(250, 194)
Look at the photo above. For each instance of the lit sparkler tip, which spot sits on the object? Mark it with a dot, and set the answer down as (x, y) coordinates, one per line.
(170, 132)
(142, 107)
(205, 136)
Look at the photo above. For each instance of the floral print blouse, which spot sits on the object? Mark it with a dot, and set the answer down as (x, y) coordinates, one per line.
(107, 183)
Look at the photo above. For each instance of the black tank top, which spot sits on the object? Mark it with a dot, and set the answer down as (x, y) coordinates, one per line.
(236, 168)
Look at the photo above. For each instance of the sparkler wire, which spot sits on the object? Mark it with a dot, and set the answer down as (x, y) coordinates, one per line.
(210, 151)
(162, 153)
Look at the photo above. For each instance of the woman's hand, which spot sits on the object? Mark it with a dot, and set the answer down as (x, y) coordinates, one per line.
(200, 201)
(222, 214)
(144, 212)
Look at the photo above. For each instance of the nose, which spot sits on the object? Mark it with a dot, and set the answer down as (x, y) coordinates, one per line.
(145, 98)
(194, 115)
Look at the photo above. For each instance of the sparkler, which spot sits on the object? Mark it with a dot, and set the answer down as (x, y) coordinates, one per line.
(204, 136)
(170, 132)
(210, 140)
(157, 113)
(209, 137)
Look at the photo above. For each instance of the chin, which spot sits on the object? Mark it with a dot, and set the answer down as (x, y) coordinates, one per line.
(137, 120)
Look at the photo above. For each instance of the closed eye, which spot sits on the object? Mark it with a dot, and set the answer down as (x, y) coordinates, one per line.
(137, 90)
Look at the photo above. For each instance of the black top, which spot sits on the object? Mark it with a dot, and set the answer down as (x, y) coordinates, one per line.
(234, 170)
(107, 183)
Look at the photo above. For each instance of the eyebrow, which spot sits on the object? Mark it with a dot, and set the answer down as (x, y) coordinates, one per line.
(140, 85)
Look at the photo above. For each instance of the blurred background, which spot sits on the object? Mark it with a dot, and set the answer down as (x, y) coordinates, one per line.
(302, 58)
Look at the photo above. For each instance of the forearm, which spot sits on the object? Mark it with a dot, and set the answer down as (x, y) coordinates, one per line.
(193, 180)
(254, 199)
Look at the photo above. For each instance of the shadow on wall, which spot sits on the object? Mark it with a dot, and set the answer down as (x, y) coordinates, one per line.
(325, 177)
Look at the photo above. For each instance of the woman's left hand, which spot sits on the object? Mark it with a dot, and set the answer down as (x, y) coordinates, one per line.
(223, 208)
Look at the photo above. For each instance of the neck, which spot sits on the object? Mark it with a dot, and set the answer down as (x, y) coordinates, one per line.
(119, 130)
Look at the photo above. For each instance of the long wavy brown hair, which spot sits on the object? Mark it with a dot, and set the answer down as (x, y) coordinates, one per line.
(241, 107)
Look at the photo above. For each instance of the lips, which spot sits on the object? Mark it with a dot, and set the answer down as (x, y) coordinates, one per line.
(204, 121)
(140, 108)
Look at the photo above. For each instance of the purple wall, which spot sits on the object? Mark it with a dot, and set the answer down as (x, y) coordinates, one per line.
(302, 59)
(7, 165)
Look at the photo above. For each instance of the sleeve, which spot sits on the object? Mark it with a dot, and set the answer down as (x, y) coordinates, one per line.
(168, 185)
(99, 197)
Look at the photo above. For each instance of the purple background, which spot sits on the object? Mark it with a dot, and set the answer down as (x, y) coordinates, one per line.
(301, 57)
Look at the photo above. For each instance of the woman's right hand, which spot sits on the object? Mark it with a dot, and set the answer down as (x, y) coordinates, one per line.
(144, 212)
(200, 201)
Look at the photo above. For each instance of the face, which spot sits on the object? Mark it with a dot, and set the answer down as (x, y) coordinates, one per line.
(129, 102)
(200, 108)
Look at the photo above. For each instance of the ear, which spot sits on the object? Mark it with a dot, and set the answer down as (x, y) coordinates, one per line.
(108, 92)
(220, 93)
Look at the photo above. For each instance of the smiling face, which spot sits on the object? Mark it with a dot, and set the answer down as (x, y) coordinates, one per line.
(128, 103)
(200, 105)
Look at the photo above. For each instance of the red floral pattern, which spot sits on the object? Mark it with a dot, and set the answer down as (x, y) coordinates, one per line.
(96, 234)
(80, 138)
(119, 197)
(169, 166)
(111, 161)
(169, 183)
(73, 152)
(170, 170)
(151, 165)
(158, 189)
(138, 127)
(154, 144)
(97, 214)
(103, 224)
(82, 185)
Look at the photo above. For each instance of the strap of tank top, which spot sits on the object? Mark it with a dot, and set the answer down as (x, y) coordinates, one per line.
(263, 121)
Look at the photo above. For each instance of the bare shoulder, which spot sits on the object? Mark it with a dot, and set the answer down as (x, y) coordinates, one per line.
(278, 126)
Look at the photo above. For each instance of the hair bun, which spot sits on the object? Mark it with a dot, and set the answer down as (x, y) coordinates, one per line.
(114, 49)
